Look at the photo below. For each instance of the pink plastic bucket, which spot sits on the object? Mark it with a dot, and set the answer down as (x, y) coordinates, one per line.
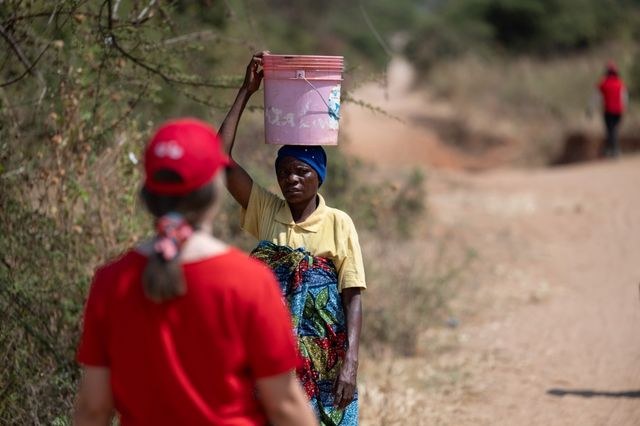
(302, 99)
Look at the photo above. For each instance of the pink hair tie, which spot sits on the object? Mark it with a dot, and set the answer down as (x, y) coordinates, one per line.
(173, 230)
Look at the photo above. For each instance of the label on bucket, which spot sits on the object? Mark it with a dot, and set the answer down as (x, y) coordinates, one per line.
(334, 107)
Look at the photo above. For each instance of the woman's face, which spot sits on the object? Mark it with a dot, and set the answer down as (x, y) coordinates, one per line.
(298, 181)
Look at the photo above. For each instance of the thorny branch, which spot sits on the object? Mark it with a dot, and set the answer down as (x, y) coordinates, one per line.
(53, 13)
(167, 18)
(347, 98)
(30, 68)
(27, 71)
(6, 263)
(111, 39)
(127, 113)
(198, 36)
(145, 11)
(116, 6)
(12, 20)
(375, 32)
(165, 77)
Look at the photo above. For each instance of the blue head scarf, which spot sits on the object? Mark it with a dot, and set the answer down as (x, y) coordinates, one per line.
(313, 155)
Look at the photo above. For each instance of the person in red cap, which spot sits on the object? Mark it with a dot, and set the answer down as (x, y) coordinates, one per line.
(184, 329)
(614, 98)
(314, 251)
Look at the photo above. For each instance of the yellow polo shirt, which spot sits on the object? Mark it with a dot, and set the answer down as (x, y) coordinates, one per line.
(327, 232)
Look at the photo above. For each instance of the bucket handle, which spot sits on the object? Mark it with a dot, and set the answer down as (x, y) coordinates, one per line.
(332, 112)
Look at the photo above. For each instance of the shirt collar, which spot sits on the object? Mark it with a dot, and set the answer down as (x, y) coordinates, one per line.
(310, 224)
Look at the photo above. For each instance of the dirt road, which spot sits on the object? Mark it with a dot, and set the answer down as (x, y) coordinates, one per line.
(549, 328)
(558, 293)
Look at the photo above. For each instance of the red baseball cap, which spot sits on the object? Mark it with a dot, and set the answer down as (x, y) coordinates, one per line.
(188, 147)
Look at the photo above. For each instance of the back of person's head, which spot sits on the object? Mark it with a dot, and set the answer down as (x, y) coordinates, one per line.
(612, 69)
(180, 162)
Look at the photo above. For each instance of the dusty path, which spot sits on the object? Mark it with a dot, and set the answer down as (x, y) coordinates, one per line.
(559, 311)
(550, 327)
(421, 130)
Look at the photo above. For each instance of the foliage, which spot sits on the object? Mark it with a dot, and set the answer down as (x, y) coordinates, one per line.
(540, 27)
(39, 310)
(360, 30)
(634, 78)
(80, 90)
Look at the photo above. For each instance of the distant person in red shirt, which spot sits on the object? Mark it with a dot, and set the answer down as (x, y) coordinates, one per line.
(613, 95)
(183, 329)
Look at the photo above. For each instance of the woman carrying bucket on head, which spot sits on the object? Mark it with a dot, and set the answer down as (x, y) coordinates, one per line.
(182, 329)
(313, 249)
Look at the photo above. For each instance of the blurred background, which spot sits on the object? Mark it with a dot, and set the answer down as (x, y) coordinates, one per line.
(498, 244)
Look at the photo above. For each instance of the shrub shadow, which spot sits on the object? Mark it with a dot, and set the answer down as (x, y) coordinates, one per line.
(588, 393)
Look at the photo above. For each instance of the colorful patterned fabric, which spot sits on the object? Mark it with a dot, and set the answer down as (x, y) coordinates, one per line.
(310, 287)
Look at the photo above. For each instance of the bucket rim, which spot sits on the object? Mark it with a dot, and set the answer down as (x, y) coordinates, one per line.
(303, 61)
(272, 55)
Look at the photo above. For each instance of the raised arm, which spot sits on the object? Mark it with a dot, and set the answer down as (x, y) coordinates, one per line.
(239, 182)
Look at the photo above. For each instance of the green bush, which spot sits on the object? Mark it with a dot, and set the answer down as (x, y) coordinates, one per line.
(79, 96)
(82, 88)
(541, 27)
(41, 294)
(634, 78)
(359, 30)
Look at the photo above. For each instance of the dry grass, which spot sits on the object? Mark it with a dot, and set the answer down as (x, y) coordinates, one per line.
(534, 102)
(412, 371)
(410, 286)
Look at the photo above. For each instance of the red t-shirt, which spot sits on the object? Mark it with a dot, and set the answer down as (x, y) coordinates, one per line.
(193, 360)
(612, 90)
